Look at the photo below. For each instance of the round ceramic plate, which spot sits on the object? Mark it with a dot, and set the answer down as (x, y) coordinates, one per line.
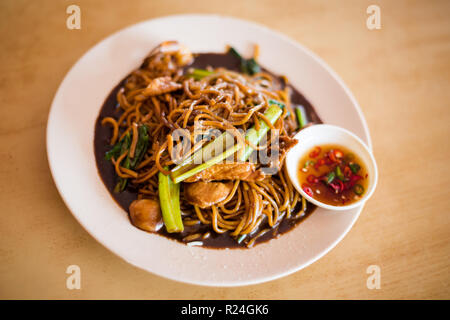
(70, 136)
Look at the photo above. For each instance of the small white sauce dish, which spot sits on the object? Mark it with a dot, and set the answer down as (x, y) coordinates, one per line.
(325, 134)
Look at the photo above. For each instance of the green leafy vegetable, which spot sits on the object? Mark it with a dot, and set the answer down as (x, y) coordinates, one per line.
(115, 151)
(122, 182)
(169, 200)
(141, 146)
(248, 66)
(129, 163)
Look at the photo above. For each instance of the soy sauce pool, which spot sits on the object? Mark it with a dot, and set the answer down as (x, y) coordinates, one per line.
(106, 170)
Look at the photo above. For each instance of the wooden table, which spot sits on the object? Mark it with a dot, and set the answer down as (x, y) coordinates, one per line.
(400, 75)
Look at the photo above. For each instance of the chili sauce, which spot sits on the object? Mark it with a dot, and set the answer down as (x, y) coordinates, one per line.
(333, 175)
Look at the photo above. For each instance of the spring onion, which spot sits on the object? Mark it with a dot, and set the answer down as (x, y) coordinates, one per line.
(241, 238)
(339, 173)
(301, 116)
(169, 199)
(309, 163)
(199, 74)
(354, 167)
(330, 177)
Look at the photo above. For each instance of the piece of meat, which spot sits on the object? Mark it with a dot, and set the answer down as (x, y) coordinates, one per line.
(161, 85)
(146, 214)
(285, 144)
(229, 171)
(205, 194)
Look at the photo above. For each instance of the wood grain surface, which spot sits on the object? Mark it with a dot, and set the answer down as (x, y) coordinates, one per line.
(400, 75)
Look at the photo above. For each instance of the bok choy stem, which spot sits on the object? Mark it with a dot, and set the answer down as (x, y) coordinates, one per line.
(169, 199)
(207, 164)
(254, 136)
(301, 116)
(199, 74)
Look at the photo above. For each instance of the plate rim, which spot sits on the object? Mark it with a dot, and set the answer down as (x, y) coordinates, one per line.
(257, 25)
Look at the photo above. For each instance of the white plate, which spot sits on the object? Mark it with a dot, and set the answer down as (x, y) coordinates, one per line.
(70, 136)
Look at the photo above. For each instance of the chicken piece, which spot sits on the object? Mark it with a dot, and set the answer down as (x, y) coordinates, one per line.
(284, 145)
(244, 171)
(146, 214)
(161, 85)
(205, 194)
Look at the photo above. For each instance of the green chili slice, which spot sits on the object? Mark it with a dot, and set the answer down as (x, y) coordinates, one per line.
(354, 167)
(358, 189)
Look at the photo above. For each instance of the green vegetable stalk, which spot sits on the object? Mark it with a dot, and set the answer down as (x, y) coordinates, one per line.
(254, 136)
(207, 164)
(301, 116)
(169, 199)
(199, 74)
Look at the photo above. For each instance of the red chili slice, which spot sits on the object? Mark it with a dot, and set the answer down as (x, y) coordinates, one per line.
(337, 185)
(353, 179)
(347, 172)
(341, 185)
(312, 179)
(308, 190)
(338, 154)
(332, 156)
(319, 163)
(334, 186)
(315, 152)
